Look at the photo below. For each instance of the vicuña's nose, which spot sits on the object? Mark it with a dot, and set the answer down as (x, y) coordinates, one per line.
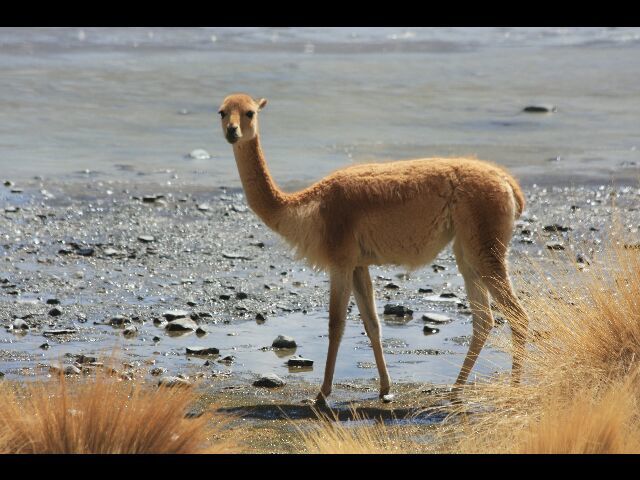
(232, 129)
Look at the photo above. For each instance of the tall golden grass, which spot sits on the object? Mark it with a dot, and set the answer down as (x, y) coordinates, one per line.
(102, 415)
(582, 372)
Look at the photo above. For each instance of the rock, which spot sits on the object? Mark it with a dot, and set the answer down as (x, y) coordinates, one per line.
(541, 108)
(202, 351)
(260, 317)
(299, 361)
(224, 296)
(269, 381)
(45, 346)
(448, 295)
(397, 310)
(19, 324)
(11, 209)
(556, 228)
(173, 382)
(388, 398)
(235, 256)
(146, 238)
(112, 252)
(118, 321)
(201, 332)
(228, 359)
(55, 312)
(425, 290)
(204, 207)
(191, 303)
(150, 198)
(62, 331)
(239, 208)
(436, 318)
(156, 339)
(391, 286)
(82, 359)
(554, 245)
(175, 314)
(130, 331)
(53, 301)
(157, 371)
(67, 370)
(199, 154)
(66, 250)
(438, 268)
(181, 325)
(283, 341)
(241, 295)
(430, 330)
(85, 251)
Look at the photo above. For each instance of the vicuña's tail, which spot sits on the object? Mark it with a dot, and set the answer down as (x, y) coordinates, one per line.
(518, 196)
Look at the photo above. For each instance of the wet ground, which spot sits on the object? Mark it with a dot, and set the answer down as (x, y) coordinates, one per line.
(93, 267)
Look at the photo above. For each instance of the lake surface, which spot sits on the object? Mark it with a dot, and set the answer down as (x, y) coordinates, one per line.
(134, 102)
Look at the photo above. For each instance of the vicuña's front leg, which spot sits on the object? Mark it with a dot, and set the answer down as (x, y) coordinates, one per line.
(338, 302)
(364, 295)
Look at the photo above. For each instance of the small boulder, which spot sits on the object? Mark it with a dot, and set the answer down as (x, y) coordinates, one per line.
(283, 341)
(299, 361)
(181, 325)
(173, 382)
(397, 310)
(436, 318)
(203, 351)
(270, 380)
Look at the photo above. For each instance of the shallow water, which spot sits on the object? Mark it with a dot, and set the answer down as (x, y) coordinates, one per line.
(128, 102)
(411, 355)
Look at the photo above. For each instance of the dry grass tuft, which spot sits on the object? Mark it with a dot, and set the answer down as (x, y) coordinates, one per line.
(101, 415)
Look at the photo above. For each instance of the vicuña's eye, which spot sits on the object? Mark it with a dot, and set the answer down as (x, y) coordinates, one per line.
(222, 114)
(250, 114)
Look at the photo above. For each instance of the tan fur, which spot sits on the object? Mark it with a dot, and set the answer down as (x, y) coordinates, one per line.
(401, 213)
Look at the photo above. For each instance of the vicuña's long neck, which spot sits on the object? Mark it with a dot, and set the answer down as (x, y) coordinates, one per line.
(263, 195)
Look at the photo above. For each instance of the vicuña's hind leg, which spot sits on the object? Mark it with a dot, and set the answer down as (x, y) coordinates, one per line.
(501, 290)
(364, 295)
(481, 309)
(338, 302)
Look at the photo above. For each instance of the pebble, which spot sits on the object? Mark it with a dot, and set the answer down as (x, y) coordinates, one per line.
(201, 332)
(62, 331)
(175, 314)
(556, 228)
(55, 312)
(388, 398)
(181, 325)
(53, 301)
(19, 324)
(130, 331)
(260, 317)
(554, 245)
(68, 370)
(541, 108)
(299, 361)
(173, 382)
(270, 380)
(283, 341)
(81, 358)
(157, 371)
(430, 330)
(199, 154)
(228, 359)
(118, 321)
(391, 286)
(436, 318)
(204, 207)
(397, 310)
(425, 290)
(202, 351)
(146, 238)
(85, 251)
(241, 295)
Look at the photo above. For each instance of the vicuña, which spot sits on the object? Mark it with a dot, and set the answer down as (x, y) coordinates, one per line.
(350, 219)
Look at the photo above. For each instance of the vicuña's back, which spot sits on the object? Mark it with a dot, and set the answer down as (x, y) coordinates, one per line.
(401, 213)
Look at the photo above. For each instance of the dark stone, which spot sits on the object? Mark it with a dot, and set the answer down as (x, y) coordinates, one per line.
(62, 331)
(55, 312)
(224, 296)
(81, 358)
(397, 310)
(425, 290)
(85, 251)
(146, 238)
(119, 321)
(181, 325)
(173, 382)
(175, 314)
(260, 317)
(19, 324)
(53, 301)
(228, 359)
(241, 295)
(269, 381)
(391, 286)
(430, 330)
(202, 351)
(539, 108)
(554, 245)
(283, 341)
(556, 228)
(298, 361)
(448, 295)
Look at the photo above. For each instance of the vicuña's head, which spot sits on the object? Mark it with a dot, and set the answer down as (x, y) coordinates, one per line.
(239, 115)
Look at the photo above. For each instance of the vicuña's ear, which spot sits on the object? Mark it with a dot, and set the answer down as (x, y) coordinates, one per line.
(262, 103)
